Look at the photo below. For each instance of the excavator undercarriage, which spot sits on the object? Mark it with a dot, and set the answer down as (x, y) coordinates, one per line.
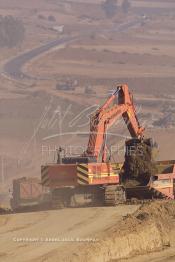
(88, 196)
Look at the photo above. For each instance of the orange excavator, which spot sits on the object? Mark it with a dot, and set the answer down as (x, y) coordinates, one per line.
(119, 104)
(92, 178)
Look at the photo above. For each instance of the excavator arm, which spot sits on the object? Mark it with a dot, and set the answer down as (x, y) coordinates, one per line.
(119, 104)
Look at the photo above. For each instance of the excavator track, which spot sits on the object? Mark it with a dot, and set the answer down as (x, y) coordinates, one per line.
(114, 195)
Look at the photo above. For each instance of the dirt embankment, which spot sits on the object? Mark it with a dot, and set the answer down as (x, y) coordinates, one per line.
(147, 230)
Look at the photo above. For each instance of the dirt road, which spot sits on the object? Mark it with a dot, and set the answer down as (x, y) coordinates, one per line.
(38, 236)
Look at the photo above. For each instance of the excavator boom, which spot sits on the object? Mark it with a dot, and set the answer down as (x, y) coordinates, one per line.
(119, 104)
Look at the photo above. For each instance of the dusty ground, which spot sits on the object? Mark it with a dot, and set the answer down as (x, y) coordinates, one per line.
(62, 225)
(148, 229)
(167, 254)
(35, 117)
(94, 234)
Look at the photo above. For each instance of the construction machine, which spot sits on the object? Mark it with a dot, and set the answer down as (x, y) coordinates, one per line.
(29, 195)
(120, 104)
(92, 178)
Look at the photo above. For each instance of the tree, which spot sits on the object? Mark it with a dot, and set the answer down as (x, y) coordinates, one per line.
(12, 31)
(110, 8)
(126, 6)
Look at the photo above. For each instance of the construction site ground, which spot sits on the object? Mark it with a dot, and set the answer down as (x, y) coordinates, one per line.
(91, 234)
(68, 226)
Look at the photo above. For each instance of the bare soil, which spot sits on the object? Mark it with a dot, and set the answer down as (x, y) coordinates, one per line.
(149, 229)
(128, 232)
(25, 237)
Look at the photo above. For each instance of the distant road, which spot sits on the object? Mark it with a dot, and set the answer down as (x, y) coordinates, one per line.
(13, 68)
